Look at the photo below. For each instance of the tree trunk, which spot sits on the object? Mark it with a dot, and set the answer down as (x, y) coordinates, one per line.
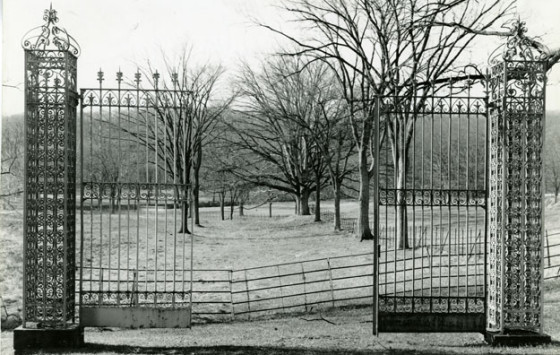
(231, 206)
(401, 214)
(336, 190)
(222, 207)
(364, 229)
(241, 209)
(196, 190)
(318, 198)
(184, 218)
(298, 205)
(305, 203)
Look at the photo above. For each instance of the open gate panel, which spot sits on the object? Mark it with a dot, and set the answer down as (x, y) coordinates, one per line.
(431, 213)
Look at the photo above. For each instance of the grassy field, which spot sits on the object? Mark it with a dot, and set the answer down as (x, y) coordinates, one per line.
(250, 242)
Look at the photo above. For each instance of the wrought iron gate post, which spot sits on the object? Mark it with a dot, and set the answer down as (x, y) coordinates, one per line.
(50, 189)
(515, 228)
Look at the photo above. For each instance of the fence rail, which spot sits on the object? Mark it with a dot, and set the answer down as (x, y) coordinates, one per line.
(552, 255)
(249, 293)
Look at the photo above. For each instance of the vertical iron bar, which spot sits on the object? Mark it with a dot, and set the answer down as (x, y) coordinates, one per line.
(165, 147)
(27, 122)
(386, 184)
(375, 224)
(128, 227)
(192, 247)
(542, 187)
(148, 189)
(397, 229)
(81, 122)
(423, 186)
(138, 185)
(102, 183)
(486, 169)
(441, 187)
(414, 189)
(67, 145)
(118, 190)
(91, 180)
(156, 190)
(110, 183)
(431, 253)
(449, 186)
(467, 185)
(175, 122)
(458, 187)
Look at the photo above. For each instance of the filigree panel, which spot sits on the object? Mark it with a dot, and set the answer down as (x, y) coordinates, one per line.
(174, 299)
(432, 197)
(50, 186)
(515, 196)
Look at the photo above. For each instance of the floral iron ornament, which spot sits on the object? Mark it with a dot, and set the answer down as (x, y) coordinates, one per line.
(50, 36)
(520, 47)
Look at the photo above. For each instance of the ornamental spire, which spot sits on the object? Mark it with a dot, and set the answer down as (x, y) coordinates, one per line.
(49, 36)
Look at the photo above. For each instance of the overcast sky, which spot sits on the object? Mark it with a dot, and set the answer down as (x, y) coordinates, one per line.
(117, 34)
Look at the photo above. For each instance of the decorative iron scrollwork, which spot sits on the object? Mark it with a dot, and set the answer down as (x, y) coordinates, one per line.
(49, 36)
(517, 87)
(50, 188)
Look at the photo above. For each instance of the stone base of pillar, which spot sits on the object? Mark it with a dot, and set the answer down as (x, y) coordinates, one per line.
(516, 338)
(35, 339)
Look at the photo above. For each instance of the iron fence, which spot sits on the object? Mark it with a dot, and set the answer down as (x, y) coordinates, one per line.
(552, 255)
(310, 285)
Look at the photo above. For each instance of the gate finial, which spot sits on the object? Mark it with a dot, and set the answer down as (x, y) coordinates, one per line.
(518, 47)
(49, 36)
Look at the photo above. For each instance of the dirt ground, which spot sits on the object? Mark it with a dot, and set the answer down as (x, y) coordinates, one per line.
(336, 332)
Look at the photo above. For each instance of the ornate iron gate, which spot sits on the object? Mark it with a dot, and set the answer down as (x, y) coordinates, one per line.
(430, 211)
(136, 255)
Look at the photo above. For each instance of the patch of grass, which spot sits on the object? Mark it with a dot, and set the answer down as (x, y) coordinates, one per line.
(335, 332)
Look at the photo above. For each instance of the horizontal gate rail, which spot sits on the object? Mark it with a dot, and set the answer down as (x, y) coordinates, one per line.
(217, 297)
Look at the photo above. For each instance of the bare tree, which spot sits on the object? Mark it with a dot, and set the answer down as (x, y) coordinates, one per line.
(331, 135)
(105, 164)
(13, 141)
(552, 158)
(278, 153)
(388, 47)
(205, 113)
(181, 124)
(218, 173)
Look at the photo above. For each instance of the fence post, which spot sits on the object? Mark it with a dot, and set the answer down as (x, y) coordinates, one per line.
(248, 299)
(331, 280)
(304, 286)
(547, 246)
(270, 210)
(281, 292)
(231, 294)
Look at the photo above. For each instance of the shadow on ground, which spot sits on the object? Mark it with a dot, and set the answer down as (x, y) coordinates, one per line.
(225, 349)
